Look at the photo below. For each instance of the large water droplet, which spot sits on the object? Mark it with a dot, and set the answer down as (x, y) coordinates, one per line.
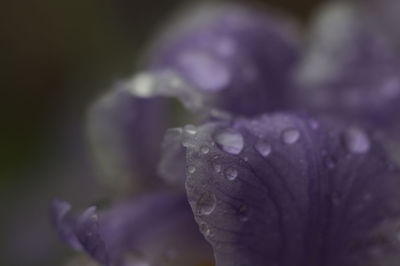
(231, 173)
(230, 141)
(356, 140)
(206, 203)
(290, 136)
(263, 148)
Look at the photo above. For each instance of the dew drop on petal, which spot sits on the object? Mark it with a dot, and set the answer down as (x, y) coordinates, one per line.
(204, 149)
(290, 136)
(356, 140)
(191, 169)
(190, 129)
(206, 203)
(231, 173)
(204, 229)
(217, 168)
(263, 148)
(230, 141)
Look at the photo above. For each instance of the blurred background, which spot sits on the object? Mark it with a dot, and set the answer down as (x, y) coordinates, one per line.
(57, 57)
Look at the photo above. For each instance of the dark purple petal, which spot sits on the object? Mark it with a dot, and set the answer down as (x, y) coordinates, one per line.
(126, 133)
(158, 229)
(287, 190)
(228, 57)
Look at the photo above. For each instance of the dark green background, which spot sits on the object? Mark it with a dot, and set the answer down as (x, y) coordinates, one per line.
(57, 56)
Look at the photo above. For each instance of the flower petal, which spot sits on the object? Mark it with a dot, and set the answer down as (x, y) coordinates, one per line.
(227, 56)
(299, 191)
(126, 133)
(158, 229)
(350, 69)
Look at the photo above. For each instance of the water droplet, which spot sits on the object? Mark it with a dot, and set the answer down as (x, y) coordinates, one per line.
(191, 169)
(206, 203)
(217, 168)
(243, 213)
(356, 140)
(231, 173)
(204, 229)
(204, 149)
(263, 148)
(290, 136)
(230, 141)
(190, 129)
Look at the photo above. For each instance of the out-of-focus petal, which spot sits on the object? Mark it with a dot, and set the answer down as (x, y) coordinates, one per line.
(64, 225)
(350, 69)
(126, 133)
(225, 56)
(288, 190)
(384, 15)
(158, 229)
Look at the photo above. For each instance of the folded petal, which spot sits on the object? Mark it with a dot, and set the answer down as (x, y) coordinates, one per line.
(126, 133)
(288, 190)
(158, 229)
(228, 57)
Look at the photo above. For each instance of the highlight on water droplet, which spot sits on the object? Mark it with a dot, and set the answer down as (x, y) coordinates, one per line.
(217, 168)
(204, 229)
(290, 136)
(230, 141)
(204, 149)
(263, 148)
(190, 129)
(206, 203)
(191, 169)
(231, 173)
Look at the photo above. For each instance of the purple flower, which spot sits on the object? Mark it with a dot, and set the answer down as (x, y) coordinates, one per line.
(276, 189)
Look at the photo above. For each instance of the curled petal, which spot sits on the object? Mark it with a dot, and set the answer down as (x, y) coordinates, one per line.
(126, 132)
(158, 229)
(288, 190)
(226, 56)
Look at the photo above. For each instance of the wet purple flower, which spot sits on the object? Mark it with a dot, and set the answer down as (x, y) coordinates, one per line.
(280, 189)
(285, 190)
